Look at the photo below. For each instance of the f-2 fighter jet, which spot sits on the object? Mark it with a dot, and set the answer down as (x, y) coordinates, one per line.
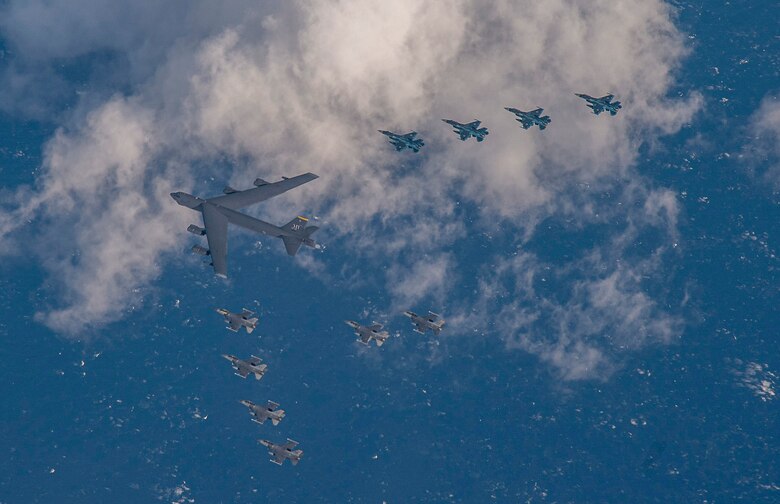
(252, 365)
(221, 210)
(528, 119)
(262, 413)
(367, 333)
(407, 141)
(433, 321)
(468, 130)
(282, 452)
(236, 321)
(599, 105)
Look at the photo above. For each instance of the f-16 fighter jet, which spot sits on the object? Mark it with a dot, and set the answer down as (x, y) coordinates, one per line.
(599, 105)
(466, 131)
(407, 141)
(282, 452)
(262, 413)
(528, 119)
(367, 333)
(245, 367)
(221, 210)
(236, 321)
(433, 321)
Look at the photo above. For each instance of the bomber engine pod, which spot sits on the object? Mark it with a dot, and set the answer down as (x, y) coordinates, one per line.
(197, 249)
(196, 230)
(260, 182)
(228, 190)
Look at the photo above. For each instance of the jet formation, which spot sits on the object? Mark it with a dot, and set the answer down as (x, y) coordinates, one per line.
(281, 452)
(221, 210)
(407, 141)
(468, 130)
(236, 321)
(367, 333)
(532, 118)
(253, 365)
(599, 105)
(260, 413)
(433, 321)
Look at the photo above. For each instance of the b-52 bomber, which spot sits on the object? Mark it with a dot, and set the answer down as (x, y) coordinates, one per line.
(282, 452)
(599, 105)
(236, 321)
(262, 413)
(433, 321)
(367, 333)
(468, 130)
(221, 210)
(243, 367)
(407, 141)
(528, 119)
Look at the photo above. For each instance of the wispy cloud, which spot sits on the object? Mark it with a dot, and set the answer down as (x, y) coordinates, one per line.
(304, 86)
(764, 147)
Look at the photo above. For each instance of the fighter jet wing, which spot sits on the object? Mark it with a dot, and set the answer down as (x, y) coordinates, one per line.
(526, 123)
(474, 124)
(241, 199)
(242, 371)
(254, 360)
(420, 328)
(290, 444)
(463, 135)
(375, 327)
(259, 417)
(216, 232)
(233, 326)
(278, 459)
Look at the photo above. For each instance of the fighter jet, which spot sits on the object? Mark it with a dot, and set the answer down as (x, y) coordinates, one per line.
(407, 141)
(236, 321)
(221, 210)
(466, 131)
(528, 119)
(599, 105)
(245, 367)
(262, 413)
(433, 321)
(367, 333)
(282, 452)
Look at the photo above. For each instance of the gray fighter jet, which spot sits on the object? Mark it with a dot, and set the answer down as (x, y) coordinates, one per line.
(433, 321)
(282, 452)
(468, 130)
(236, 321)
(243, 367)
(599, 105)
(367, 333)
(221, 210)
(407, 141)
(262, 413)
(528, 119)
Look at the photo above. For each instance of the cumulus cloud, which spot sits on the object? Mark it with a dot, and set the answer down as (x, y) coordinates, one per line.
(303, 86)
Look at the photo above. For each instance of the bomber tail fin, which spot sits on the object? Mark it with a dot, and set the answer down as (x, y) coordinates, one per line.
(299, 235)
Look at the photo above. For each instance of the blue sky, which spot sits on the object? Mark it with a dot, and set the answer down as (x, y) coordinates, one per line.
(579, 267)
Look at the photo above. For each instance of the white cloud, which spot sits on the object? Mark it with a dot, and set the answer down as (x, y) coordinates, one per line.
(304, 86)
(765, 144)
